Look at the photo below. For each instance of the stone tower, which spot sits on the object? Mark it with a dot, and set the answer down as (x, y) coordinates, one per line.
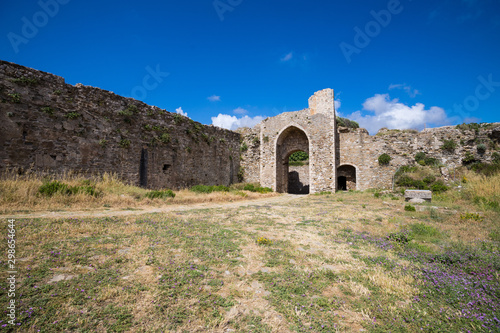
(311, 130)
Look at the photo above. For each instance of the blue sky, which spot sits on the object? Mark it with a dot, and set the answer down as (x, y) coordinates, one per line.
(397, 64)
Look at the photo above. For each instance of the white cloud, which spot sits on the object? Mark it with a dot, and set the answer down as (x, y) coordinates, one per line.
(338, 104)
(395, 115)
(240, 111)
(287, 57)
(179, 111)
(214, 98)
(409, 90)
(232, 122)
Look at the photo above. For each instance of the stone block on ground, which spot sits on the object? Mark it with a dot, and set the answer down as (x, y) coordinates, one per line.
(418, 194)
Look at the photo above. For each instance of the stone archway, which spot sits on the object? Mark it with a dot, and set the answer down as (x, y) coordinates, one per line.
(291, 140)
(346, 178)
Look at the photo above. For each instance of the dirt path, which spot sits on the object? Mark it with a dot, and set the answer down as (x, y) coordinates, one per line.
(148, 210)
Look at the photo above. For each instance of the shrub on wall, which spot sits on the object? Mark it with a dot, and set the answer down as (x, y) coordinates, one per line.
(243, 147)
(468, 158)
(15, 98)
(124, 143)
(481, 148)
(449, 145)
(25, 81)
(384, 159)
(344, 122)
(495, 157)
(420, 156)
(72, 115)
(241, 174)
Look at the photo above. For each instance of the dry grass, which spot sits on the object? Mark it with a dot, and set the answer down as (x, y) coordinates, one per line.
(20, 194)
(317, 270)
(481, 186)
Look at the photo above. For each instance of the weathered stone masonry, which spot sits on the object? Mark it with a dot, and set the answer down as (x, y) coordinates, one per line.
(47, 125)
(347, 159)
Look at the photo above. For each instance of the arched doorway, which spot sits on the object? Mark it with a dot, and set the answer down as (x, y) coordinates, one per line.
(346, 178)
(291, 140)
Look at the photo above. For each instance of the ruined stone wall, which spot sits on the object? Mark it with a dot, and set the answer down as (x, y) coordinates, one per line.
(250, 157)
(359, 149)
(47, 125)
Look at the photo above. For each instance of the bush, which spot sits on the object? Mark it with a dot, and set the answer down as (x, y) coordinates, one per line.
(431, 161)
(419, 185)
(209, 188)
(486, 169)
(429, 179)
(439, 187)
(88, 190)
(405, 169)
(420, 156)
(402, 237)
(164, 194)
(410, 208)
(384, 159)
(298, 156)
(51, 188)
(495, 157)
(344, 122)
(259, 189)
(481, 148)
(469, 158)
(449, 145)
(407, 181)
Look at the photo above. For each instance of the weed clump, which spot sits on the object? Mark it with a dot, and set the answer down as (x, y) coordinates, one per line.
(162, 194)
(53, 187)
(259, 189)
(209, 188)
(410, 208)
(471, 216)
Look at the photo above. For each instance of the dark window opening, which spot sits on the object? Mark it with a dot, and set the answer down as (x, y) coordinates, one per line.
(166, 167)
(143, 169)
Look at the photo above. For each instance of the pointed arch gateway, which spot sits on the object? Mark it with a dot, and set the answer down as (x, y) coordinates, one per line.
(291, 140)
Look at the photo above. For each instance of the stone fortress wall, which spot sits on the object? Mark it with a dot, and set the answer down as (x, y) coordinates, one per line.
(47, 125)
